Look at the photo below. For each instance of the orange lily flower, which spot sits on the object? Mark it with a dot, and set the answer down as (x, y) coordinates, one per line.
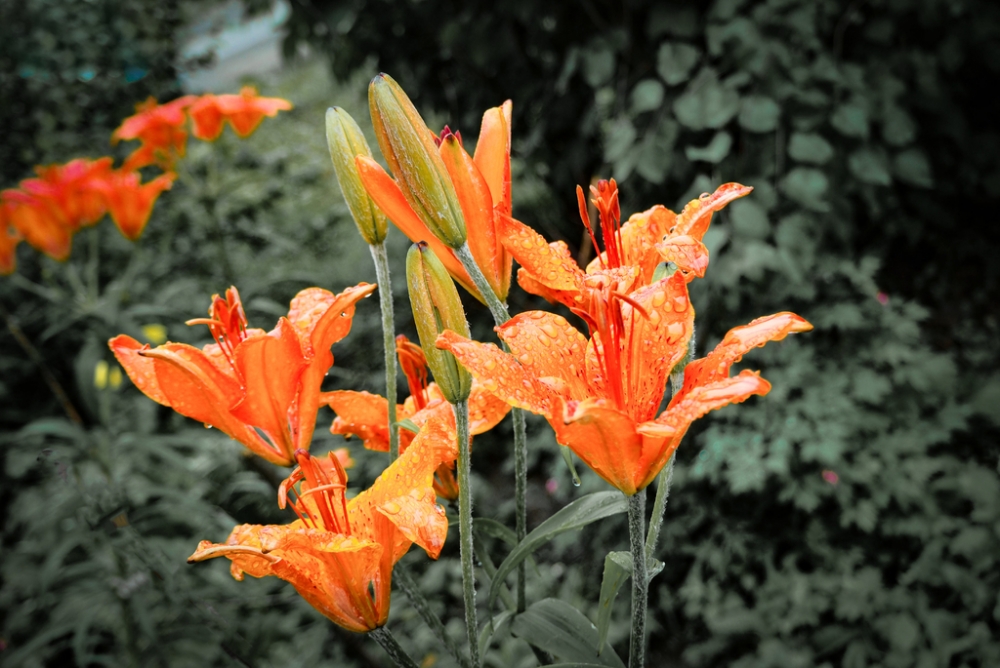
(9, 239)
(244, 112)
(482, 183)
(249, 382)
(131, 202)
(339, 554)
(365, 415)
(160, 128)
(632, 250)
(601, 396)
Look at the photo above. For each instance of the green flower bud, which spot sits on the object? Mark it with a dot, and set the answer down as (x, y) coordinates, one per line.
(409, 148)
(345, 140)
(436, 307)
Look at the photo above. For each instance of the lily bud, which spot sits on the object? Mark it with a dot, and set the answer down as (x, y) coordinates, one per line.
(346, 141)
(408, 147)
(436, 307)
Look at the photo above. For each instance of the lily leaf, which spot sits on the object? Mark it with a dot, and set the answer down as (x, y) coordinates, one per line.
(576, 515)
(561, 630)
(617, 569)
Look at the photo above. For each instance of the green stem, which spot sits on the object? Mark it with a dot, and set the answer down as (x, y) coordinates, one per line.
(384, 637)
(640, 580)
(423, 608)
(500, 316)
(381, 259)
(659, 505)
(465, 528)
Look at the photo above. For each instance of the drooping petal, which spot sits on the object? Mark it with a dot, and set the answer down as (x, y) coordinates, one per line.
(206, 118)
(501, 374)
(140, 369)
(477, 208)
(548, 346)
(418, 519)
(486, 410)
(604, 438)
(361, 414)
(737, 342)
(246, 110)
(552, 265)
(689, 254)
(697, 215)
(387, 196)
(271, 366)
(38, 224)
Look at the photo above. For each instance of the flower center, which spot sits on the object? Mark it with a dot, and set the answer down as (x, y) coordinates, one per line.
(319, 485)
(228, 323)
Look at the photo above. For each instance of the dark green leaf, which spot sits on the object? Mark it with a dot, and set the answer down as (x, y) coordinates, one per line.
(850, 120)
(576, 515)
(647, 96)
(808, 187)
(674, 62)
(869, 166)
(714, 152)
(706, 103)
(911, 166)
(810, 148)
(759, 113)
(563, 631)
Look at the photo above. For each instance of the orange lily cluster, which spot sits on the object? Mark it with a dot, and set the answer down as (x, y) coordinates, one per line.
(260, 388)
(601, 394)
(48, 210)
(340, 553)
(364, 414)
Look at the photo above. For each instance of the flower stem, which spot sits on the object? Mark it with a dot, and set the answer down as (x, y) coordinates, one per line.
(465, 528)
(640, 580)
(383, 636)
(500, 316)
(419, 602)
(381, 259)
(659, 505)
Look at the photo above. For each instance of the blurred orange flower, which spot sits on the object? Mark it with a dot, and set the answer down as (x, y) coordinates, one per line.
(130, 202)
(482, 183)
(244, 112)
(249, 382)
(365, 415)
(9, 239)
(160, 128)
(601, 395)
(339, 554)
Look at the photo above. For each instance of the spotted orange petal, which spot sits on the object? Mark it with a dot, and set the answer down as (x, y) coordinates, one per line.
(501, 374)
(697, 215)
(548, 346)
(552, 265)
(486, 410)
(141, 370)
(360, 414)
(604, 438)
(689, 254)
(493, 154)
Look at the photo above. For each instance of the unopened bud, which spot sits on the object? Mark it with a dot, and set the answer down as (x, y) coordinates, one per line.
(408, 146)
(346, 141)
(436, 307)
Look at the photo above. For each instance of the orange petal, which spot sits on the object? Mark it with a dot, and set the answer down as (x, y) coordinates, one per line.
(697, 215)
(38, 224)
(141, 370)
(493, 154)
(206, 118)
(640, 234)
(271, 366)
(389, 198)
(656, 343)
(737, 342)
(419, 519)
(9, 238)
(533, 287)
(360, 414)
(485, 409)
(501, 374)
(546, 345)
(705, 398)
(605, 439)
(552, 265)
(477, 209)
(689, 254)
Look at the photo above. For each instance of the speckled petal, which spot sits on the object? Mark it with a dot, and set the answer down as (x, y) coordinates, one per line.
(547, 345)
(697, 215)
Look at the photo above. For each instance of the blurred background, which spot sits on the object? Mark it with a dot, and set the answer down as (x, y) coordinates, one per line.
(850, 518)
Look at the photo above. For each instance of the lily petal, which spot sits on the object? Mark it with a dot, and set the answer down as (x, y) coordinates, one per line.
(547, 345)
(689, 254)
(604, 438)
(552, 265)
(697, 215)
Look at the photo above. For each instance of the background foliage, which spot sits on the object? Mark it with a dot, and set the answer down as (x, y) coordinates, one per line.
(873, 149)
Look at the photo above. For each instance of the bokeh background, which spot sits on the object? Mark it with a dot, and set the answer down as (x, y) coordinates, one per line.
(851, 518)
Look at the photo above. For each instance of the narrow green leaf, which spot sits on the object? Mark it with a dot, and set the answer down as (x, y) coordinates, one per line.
(561, 630)
(617, 570)
(491, 629)
(494, 529)
(576, 515)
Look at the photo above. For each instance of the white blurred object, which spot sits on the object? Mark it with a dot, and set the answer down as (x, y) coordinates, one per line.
(242, 46)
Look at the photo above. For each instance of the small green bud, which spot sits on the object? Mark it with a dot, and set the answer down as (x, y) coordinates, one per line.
(409, 148)
(436, 307)
(345, 140)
